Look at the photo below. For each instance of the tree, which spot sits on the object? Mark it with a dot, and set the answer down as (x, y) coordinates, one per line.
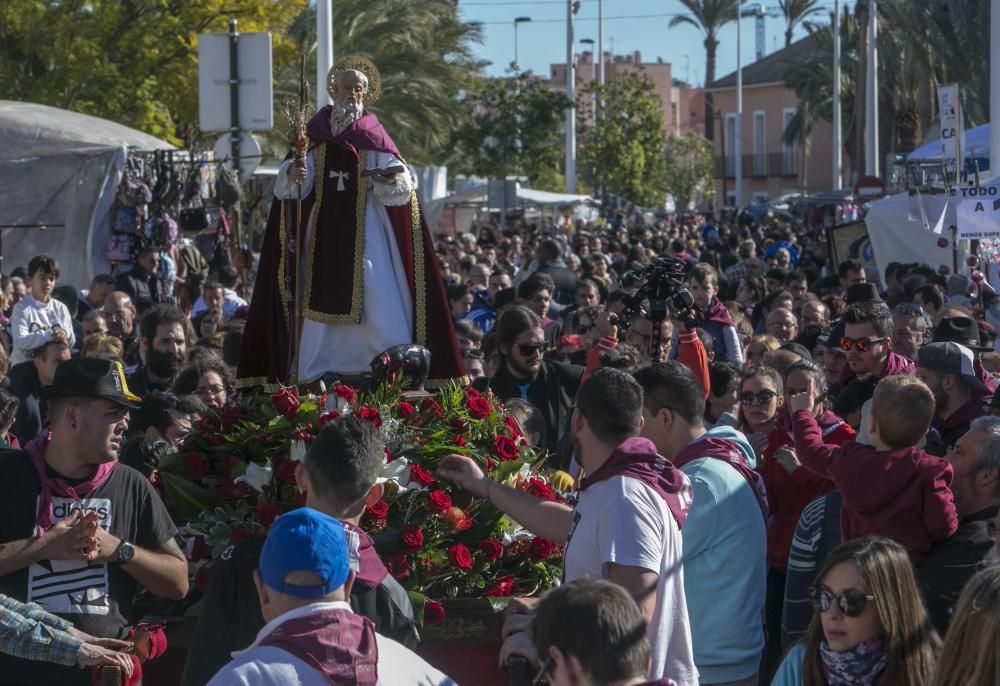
(513, 127)
(133, 62)
(796, 12)
(623, 152)
(423, 51)
(708, 16)
(689, 169)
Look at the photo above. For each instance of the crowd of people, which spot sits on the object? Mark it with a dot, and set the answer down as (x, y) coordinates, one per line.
(794, 479)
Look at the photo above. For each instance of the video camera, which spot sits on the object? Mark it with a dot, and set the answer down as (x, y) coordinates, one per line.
(662, 286)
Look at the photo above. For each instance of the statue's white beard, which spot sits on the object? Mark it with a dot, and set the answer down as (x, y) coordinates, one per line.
(345, 112)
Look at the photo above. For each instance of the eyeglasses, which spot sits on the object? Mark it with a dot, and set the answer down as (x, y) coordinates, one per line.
(210, 390)
(761, 397)
(851, 602)
(531, 348)
(862, 344)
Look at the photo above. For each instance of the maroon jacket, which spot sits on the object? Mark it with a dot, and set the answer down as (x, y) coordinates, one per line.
(901, 494)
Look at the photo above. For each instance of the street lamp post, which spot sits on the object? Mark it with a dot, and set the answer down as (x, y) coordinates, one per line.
(572, 6)
(738, 136)
(518, 20)
(838, 146)
(593, 79)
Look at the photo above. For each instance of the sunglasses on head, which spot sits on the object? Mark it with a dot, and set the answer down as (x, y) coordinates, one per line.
(530, 349)
(862, 344)
(851, 602)
(912, 309)
(761, 397)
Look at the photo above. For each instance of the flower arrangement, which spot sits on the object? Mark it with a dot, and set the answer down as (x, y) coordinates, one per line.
(236, 473)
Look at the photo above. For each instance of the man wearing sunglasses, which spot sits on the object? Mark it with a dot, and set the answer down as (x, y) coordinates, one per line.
(867, 327)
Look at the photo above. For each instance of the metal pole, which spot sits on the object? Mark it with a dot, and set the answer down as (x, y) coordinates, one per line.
(738, 138)
(571, 110)
(234, 95)
(515, 43)
(871, 101)
(995, 88)
(838, 147)
(324, 49)
(600, 39)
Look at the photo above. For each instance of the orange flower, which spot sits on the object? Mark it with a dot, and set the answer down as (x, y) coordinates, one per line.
(458, 519)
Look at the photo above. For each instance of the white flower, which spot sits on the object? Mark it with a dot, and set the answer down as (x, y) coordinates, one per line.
(256, 477)
(399, 471)
(297, 451)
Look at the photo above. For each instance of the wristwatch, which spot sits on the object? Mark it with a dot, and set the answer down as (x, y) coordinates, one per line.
(125, 552)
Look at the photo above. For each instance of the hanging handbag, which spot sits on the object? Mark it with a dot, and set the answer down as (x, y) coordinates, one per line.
(120, 247)
(194, 219)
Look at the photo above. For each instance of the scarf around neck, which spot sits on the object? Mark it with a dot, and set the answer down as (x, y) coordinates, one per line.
(727, 451)
(56, 486)
(334, 641)
(716, 312)
(857, 666)
(636, 458)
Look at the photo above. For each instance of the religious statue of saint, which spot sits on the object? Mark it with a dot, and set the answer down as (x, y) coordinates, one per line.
(365, 277)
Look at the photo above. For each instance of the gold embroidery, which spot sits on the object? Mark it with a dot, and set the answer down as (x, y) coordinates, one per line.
(354, 316)
(419, 285)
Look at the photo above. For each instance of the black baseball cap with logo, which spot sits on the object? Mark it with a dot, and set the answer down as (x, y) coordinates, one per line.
(89, 377)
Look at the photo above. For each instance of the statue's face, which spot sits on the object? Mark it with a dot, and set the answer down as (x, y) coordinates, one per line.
(350, 85)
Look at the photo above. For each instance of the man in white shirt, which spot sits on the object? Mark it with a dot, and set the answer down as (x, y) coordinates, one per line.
(312, 635)
(626, 526)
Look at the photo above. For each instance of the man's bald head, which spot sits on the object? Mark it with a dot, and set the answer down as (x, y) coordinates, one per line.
(119, 312)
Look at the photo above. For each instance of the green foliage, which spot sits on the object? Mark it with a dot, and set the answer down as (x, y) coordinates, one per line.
(623, 152)
(132, 62)
(689, 169)
(513, 127)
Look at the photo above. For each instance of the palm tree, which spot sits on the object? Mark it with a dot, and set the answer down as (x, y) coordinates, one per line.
(796, 12)
(708, 16)
(423, 51)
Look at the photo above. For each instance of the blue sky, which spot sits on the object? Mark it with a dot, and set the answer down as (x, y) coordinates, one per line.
(628, 26)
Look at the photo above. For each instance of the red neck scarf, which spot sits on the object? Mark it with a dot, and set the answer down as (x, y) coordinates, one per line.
(56, 486)
(727, 451)
(716, 312)
(335, 641)
(637, 458)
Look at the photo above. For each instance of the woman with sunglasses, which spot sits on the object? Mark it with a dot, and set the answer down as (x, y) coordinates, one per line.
(869, 626)
(760, 399)
(790, 487)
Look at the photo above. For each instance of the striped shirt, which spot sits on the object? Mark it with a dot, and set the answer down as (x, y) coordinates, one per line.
(27, 631)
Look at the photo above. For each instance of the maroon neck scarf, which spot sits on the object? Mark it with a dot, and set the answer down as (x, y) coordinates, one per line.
(56, 486)
(335, 641)
(371, 569)
(716, 312)
(727, 451)
(636, 458)
(365, 133)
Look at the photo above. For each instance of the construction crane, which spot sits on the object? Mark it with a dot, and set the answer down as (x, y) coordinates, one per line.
(759, 13)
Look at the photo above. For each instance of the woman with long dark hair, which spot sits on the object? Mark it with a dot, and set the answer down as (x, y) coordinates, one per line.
(870, 627)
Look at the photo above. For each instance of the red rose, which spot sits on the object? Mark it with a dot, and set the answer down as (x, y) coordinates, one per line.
(479, 407)
(458, 519)
(540, 489)
(398, 566)
(267, 513)
(412, 537)
(229, 462)
(286, 471)
(492, 549)
(541, 549)
(512, 425)
(405, 410)
(432, 405)
(433, 613)
(327, 417)
(458, 423)
(346, 392)
(471, 392)
(230, 416)
(504, 587)
(217, 439)
(201, 577)
(370, 414)
(380, 510)
(505, 448)
(196, 466)
(460, 557)
(459, 440)
(231, 490)
(420, 475)
(285, 402)
(198, 549)
(438, 502)
(239, 535)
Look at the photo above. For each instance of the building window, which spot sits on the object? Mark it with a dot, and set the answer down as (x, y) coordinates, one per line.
(759, 167)
(730, 150)
(788, 150)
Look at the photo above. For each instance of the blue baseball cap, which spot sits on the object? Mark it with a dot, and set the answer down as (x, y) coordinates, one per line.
(308, 541)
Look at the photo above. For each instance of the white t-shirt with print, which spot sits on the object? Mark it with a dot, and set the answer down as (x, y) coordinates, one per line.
(624, 521)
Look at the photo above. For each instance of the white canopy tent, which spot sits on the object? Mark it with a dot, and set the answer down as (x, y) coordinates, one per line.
(455, 213)
(59, 172)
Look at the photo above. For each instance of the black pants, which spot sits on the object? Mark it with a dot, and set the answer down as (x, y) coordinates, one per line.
(773, 603)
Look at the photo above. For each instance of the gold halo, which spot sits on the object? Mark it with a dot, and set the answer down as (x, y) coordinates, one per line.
(363, 65)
